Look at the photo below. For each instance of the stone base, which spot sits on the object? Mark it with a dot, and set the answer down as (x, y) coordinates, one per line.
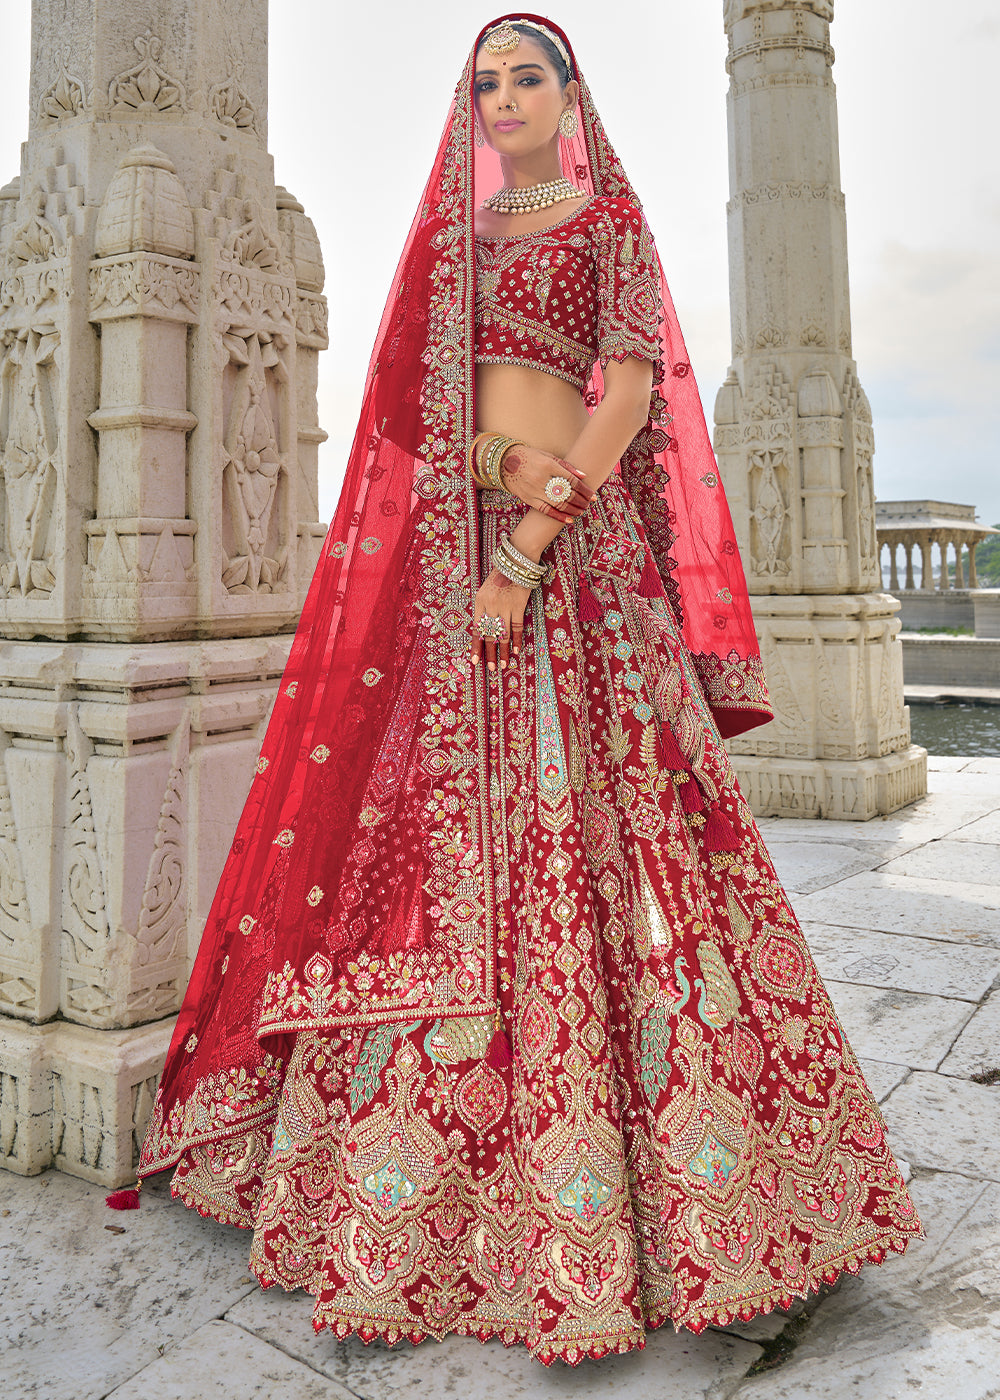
(854, 791)
(76, 1098)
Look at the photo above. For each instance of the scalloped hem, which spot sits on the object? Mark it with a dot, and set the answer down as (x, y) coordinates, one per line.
(695, 1320)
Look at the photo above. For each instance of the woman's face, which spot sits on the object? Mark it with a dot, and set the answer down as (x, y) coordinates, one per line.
(519, 99)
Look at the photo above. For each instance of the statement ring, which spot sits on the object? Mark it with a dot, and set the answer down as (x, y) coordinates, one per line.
(492, 627)
(557, 489)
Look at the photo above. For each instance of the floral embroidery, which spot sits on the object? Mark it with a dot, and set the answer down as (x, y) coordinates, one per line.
(320, 753)
(285, 837)
(371, 545)
(372, 676)
(247, 923)
(314, 896)
(263, 764)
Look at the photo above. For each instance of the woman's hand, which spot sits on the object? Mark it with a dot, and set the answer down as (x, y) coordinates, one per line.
(498, 597)
(525, 471)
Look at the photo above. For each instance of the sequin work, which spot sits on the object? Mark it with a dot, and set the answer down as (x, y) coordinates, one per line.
(684, 1134)
(580, 290)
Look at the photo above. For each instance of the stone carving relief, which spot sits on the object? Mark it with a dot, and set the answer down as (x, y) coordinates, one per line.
(78, 1122)
(741, 9)
(65, 97)
(18, 990)
(251, 245)
(85, 918)
(147, 87)
(769, 513)
(229, 103)
(769, 193)
(29, 440)
(258, 532)
(163, 916)
(143, 284)
(35, 239)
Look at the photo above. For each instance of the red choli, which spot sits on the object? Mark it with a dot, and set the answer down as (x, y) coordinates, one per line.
(586, 288)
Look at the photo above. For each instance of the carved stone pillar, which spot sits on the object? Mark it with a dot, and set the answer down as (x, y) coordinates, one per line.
(794, 440)
(161, 317)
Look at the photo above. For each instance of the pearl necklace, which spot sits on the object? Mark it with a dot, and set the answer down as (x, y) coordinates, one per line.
(526, 200)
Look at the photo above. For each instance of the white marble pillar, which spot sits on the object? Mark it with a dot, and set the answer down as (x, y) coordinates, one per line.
(794, 440)
(161, 316)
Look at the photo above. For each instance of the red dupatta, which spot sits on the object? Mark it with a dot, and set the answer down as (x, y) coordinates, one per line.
(359, 887)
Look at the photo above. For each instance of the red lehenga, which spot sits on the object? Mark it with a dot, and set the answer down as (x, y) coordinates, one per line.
(430, 863)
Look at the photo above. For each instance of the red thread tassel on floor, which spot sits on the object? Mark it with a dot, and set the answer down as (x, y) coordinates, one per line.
(589, 609)
(717, 834)
(498, 1056)
(123, 1200)
(650, 583)
(692, 800)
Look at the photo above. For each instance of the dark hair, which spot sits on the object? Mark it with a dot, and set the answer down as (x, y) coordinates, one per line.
(547, 47)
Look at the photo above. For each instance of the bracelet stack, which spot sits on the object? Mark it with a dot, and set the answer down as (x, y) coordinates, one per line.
(485, 456)
(525, 572)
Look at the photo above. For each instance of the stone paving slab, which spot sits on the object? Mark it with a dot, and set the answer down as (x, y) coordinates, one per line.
(944, 909)
(805, 866)
(671, 1366)
(917, 1030)
(978, 1047)
(222, 1362)
(945, 1123)
(896, 960)
(83, 1308)
(985, 828)
(882, 1077)
(972, 862)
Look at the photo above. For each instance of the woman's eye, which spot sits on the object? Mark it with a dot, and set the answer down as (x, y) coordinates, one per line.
(532, 81)
(484, 87)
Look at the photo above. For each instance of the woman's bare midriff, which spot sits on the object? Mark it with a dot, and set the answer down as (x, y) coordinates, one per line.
(530, 405)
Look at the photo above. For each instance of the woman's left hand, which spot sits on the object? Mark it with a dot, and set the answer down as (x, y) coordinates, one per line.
(499, 598)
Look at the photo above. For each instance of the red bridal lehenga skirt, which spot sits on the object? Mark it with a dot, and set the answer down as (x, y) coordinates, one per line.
(683, 1134)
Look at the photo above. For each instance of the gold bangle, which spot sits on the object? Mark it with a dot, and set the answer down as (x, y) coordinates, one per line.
(489, 460)
(473, 457)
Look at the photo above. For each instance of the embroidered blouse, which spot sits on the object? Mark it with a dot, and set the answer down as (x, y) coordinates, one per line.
(586, 288)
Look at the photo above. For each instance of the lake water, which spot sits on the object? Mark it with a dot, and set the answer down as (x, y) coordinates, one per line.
(957, 729)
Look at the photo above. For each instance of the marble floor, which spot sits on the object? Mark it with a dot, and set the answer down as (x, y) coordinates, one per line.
(903, 915)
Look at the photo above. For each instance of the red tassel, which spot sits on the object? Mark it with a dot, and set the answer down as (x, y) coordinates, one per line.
(589, 609)
(650, 583)
(670, 751)
(498, 1056)
(718, 834)
(123, 1200)
(691, 798)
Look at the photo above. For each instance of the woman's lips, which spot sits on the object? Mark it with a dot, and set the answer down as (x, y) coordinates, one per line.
(507, 125)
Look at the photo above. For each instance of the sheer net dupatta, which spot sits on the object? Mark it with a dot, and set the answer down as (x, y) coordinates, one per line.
(355, 890)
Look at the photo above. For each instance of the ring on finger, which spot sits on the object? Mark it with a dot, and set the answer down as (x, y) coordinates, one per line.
(557, 489)
(491, 627)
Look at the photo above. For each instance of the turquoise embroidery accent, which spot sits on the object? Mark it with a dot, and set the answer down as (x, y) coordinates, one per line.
(714, 1162)
(553, 771)
(586, 1193)
(389, 1185)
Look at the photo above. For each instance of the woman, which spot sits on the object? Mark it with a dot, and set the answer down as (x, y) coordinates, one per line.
(501, 1023)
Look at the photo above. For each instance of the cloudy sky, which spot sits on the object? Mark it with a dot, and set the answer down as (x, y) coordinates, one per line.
(919, 168)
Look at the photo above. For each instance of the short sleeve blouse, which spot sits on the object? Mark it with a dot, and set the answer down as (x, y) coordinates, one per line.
(587, 288)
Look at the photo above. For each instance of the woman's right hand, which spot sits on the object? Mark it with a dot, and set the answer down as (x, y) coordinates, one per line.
(525, 471)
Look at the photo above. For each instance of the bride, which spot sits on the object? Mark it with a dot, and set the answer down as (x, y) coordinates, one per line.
(502, 1023)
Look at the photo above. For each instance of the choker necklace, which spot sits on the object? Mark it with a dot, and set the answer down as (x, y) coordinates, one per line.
(526, 200)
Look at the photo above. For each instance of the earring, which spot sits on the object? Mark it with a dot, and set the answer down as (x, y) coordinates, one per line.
(477, 135)
(568, 124)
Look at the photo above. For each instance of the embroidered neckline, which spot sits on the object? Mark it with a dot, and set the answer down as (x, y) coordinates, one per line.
(535, 232)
